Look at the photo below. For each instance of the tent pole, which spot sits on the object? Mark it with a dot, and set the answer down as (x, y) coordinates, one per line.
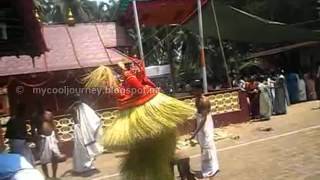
(221, 43)
(202, 54)
(136, 18)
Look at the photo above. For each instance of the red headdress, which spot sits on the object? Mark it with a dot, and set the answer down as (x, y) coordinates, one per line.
(141, 89)
(139, 70)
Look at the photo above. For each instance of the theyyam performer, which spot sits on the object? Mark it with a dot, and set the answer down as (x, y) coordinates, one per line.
(146, 122)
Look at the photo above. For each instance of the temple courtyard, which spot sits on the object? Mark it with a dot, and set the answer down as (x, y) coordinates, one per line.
(285, 148)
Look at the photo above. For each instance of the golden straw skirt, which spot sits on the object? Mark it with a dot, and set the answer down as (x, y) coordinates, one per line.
(157, 116)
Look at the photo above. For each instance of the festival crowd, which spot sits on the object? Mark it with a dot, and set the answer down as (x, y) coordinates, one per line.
(271, 93)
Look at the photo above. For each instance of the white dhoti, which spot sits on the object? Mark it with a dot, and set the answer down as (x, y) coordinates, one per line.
(49, 148)
(86, 134)
(24, 174)
(205, 137)
(20, 146)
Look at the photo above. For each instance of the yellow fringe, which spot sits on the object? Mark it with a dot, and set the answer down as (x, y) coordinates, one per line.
(147, 121)
(150, 159)
(100, 77)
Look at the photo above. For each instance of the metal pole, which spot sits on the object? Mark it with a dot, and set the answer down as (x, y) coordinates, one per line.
(202, 55)
(220, 43)
(136, 18)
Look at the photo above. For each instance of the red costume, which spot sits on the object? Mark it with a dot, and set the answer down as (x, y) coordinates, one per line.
(134, 91)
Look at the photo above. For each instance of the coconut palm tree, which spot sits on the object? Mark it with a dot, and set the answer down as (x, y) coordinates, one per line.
(56, 11)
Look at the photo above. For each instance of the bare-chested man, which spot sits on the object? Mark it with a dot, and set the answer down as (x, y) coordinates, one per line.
(204, 132)
(48, 144)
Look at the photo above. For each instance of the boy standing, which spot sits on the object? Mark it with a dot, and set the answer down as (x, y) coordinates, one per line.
(204, 132)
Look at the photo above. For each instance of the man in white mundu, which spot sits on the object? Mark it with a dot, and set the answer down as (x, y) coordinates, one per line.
(204, 133)
(86, 135)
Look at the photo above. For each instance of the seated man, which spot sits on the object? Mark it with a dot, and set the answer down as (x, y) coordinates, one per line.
(16, 167)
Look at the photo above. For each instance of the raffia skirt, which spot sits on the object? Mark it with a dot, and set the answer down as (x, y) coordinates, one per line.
(147, 133)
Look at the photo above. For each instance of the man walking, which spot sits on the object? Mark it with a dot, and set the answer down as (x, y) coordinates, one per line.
(204, 133)
(86, 134)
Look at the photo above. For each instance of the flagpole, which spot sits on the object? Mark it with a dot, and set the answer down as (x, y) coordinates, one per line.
(202, 54)
(221, 43)
(136, 18)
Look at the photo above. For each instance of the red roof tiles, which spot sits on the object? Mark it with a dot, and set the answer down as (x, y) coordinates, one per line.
(84, 45)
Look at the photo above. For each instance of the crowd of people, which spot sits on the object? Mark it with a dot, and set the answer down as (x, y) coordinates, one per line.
(271, 93)
(45, 142)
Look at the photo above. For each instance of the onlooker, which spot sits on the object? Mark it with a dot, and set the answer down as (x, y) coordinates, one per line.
(253, 94)
(293, 87)
(205, 133)
(302, 89)
(281, 100)
(318, 81)
(265, 100)
(311, 86)
(48, 145)
(17, 134)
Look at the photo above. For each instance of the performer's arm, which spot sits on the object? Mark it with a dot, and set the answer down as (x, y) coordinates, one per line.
(133, 82)
(148, 82)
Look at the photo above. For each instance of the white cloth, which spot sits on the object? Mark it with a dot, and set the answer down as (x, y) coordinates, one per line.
(48, 148)
(302, 90)
(265, 101)
(24, 174)
(86, 135)
(205, 137)
(20, 146)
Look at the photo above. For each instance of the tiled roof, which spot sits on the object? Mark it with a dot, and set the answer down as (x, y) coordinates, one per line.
(84, 45)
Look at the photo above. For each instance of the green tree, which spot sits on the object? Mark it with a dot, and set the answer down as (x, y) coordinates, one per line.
(55, 11)
(290, 12)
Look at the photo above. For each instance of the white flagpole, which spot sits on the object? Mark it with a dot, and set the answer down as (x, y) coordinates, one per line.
(136, 18)
(202, 54)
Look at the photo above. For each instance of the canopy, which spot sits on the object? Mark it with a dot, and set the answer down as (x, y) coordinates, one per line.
(158, 12)
(241, 26)
(281, 49)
